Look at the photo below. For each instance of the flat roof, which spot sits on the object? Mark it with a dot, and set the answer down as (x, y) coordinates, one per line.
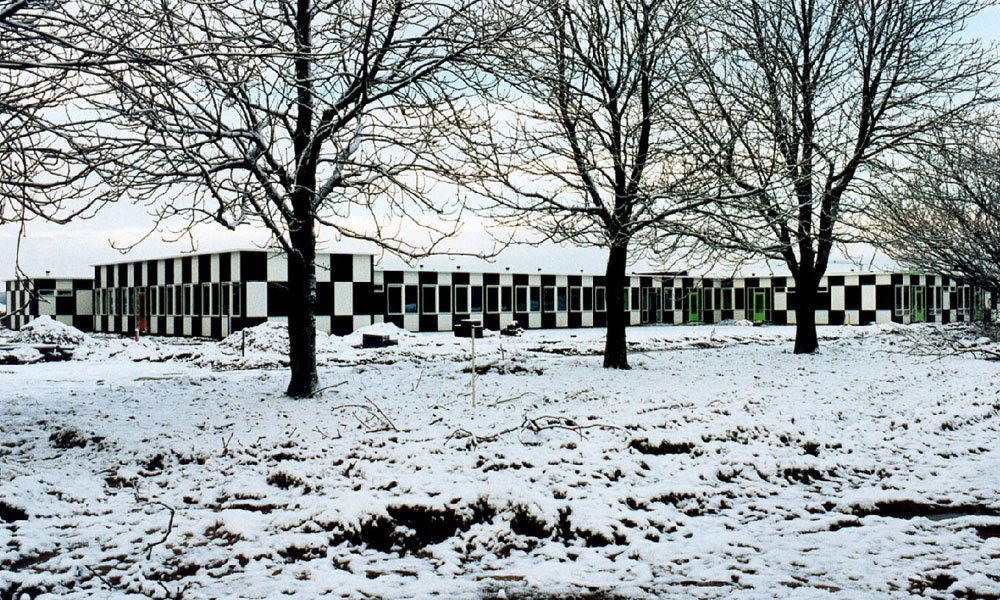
(210, 252)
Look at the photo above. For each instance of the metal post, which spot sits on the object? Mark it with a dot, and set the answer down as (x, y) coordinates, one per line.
(473, 336)
(243, 347)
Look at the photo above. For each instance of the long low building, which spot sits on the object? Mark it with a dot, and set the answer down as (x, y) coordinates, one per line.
(214, 294)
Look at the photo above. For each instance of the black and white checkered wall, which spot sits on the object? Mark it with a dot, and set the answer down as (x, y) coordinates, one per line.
(69, 301)
(437, 301)
(212, 295)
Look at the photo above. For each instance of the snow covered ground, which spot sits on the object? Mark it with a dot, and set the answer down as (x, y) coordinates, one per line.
(720, 466)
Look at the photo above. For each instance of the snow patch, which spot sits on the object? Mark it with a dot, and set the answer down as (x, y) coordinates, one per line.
(46, 330)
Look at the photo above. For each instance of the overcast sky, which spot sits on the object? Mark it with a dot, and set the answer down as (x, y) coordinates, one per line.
(70, 250)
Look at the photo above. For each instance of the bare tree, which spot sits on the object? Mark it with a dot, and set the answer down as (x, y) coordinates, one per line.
(581, 146)
(296, 114)
(47, 171)
(943, 212)
(808, 100)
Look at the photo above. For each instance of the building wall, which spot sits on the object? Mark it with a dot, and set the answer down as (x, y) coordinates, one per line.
(212, 295)
(69, 301)
(437, 301)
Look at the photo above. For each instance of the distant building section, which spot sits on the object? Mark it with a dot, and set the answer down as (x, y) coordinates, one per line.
(67, 300)
(215, 294)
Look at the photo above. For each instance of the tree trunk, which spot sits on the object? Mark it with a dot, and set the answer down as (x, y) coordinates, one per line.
(302, 314)
(806, 341)
(615, 349)
(302, 237)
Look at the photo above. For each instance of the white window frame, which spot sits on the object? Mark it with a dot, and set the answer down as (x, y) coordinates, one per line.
(416, 305)
(188, 294)
(236, 299)
(527, 298)
(206, 300)
(601, 292)
(545, 290)
(402, 299)
(486, 299)
(482, 299)
(462, 288)
(579, 298)
(423, 296)
(728, 297)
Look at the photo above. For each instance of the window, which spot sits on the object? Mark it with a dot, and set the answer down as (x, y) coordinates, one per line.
(575, 299)
(216, 300)
(492, 299)
(461, 299)
(46, 293)
(938, 296)
(169, 296)
(188, 300)
(548, 298)
(727, 298)
(536, 299)
(600, 301)
(130, 306)
(64, 293)
(410, 296)
(428, 299)
(444, 299)
(394, 299)
(154, 302)
(625, 297)
(521, 298)
(668, 298)
(237, 304)
(477, 298)
(707, 302)
(679, 299)
(902, 301)
(99, 302)
(226, 295)
(561, 299)
(505, 299)
(206, 299)
(823, 290)
(588, 298)
(635, 298)
(963, 299)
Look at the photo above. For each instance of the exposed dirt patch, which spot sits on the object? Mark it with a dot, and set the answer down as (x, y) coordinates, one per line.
(410, 527)
(10, 513)
(988, 531)
(908, 509)
(70, 437)
(285, 480)
(644, 446)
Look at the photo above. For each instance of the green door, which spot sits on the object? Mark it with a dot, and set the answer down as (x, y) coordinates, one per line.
(918, 304)
(694, 305)
(759, 305)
